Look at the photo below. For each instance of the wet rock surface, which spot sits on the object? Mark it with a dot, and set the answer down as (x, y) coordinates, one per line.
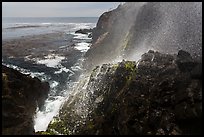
(108, 35)
(155, 96)
(84, 31)
(21, 95)
(135, 27)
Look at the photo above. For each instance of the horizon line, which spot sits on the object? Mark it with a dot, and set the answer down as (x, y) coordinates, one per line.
(56, 17)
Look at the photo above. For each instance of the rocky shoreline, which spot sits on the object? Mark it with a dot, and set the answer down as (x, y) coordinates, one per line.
(31, 48)
(22, 54)
(20, 97)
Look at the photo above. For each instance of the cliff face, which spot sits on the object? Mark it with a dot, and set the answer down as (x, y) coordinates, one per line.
(111, 22)
(109, 34)
(159, 95)
(133, 28)
(21, 95)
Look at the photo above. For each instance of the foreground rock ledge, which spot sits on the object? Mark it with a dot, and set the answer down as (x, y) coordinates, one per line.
(159, 95)
(21, 95)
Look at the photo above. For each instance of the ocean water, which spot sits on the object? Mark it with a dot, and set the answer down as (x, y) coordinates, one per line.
(14, 28)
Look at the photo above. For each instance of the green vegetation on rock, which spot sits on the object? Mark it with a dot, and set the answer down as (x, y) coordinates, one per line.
(45, 133)
(131, 67)
(126, 40)
(58, 126)
(145, 99)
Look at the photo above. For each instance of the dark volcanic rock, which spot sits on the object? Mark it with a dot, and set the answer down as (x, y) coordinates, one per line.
(90, 35)
(151, 97)
(108, 35)
(21, 95)
(102, 25)
(185, 61)
(84, 31)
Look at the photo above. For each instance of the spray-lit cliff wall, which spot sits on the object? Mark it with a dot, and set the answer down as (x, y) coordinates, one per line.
(158, 95)
(134, 28)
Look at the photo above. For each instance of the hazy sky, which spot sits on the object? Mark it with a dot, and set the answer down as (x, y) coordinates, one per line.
(56, 9)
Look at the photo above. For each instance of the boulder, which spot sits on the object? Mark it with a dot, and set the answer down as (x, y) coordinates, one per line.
(185, 61)
(21, 95)
(84, 31)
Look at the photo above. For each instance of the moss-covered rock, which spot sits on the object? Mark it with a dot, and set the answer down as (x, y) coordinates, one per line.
(151, 97)
(45, 133)
(58, 126)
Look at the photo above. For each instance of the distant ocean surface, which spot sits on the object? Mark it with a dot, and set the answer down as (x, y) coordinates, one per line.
(14, 27)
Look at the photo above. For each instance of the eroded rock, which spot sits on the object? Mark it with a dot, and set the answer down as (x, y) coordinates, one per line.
(21, 95)
(151, 97)
(84, 31)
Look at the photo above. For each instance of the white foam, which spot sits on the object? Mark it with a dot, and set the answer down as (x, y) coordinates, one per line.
(61, 47)
(54, 84)
(40, 75)
(80, 36)
(27, 58)
(63, 69)
(51, 60)
(24, 71)
(46, 23)
(76, 68)
(83, 26)
(11, 57)
(43, 118)
(83, 46)
(36, 74)
(52, 107)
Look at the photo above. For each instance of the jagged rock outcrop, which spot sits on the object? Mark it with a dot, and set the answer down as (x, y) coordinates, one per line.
(110, 31)
(21, 95)
(161, 94)
(135, 27)
(84, 31)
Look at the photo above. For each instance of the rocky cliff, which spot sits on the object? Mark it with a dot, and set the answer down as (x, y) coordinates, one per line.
(161, 94)
(21, 95)
(135, 27)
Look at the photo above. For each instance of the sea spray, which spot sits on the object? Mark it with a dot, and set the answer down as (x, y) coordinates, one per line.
(134, 28)
(54, 103)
